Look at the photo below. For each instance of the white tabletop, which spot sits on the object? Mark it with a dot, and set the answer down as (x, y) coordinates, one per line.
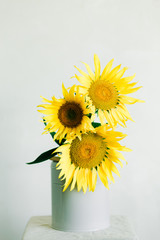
(39, 228)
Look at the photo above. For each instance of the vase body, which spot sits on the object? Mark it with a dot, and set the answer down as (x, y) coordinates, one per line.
(74, 211)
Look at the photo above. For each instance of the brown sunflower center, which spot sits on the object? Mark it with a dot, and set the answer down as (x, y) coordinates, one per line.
(88, 152)
(103, 94)
(70, 114)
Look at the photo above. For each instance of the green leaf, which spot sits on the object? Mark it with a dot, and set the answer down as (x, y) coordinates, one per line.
(89, 115)
(96, 124)
(44, 156)
(51, 133)
(60, 143)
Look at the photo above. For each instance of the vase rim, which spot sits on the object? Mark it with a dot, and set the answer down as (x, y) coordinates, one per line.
(55, 159)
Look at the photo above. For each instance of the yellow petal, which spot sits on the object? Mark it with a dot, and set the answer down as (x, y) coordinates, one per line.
(89, 70)
(125, 149)
(74, 179)
(109, 119)
(121, 117)
(83, 73)
(49, 106)
(106, 70)
(94, 179)
(69, 176)
(97, 67)
(46, 100)
(119, 155)
(123, 110)
(79, 179)
(101, 116)
(114, 169)
(103, 176)
(121, 72)
(64, 91)
(83, 80)
(84, 180)
(107, 169)
(116, 117)
(115, 135)
(131, 85)
(127, 91)
(48, 111)
(90, 179)
(72, 91)
(127, 79)
(113, 72)
(63, 148)
(116, 160)
(130, 100)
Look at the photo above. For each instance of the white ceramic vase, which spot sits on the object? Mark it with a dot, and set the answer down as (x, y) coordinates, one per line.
(74, 211)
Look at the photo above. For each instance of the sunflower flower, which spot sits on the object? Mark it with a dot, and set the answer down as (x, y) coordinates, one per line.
(68, 116)
(108, 92)
(81, 159)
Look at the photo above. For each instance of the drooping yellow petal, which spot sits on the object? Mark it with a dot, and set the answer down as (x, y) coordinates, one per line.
(116, 160)
(108, 171)
(122, 108)
(119, 155)
(114, 117)
(121, 118)
(74, 179)
(114, 169)
(79, 179)
(63, 148)
(69, 176)
(59, 134)
(90, 179)
(109, 119)
(94, 179)
(84, 180)
(117, 118)
(103, 176)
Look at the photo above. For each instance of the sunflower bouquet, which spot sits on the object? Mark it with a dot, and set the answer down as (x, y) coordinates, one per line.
(88, 148)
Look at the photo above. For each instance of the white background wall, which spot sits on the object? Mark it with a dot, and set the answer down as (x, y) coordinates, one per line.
(40, 41)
